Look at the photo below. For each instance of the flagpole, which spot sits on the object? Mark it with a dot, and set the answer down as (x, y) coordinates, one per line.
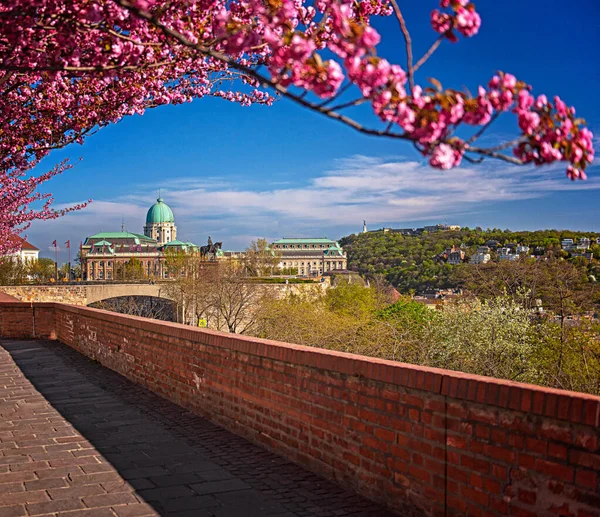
(69, 272)
(56, 263)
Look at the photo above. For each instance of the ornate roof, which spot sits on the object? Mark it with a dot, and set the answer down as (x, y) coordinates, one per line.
(334, 250)
(119, 238)
(160, 212)
(302, 240)
(176, 243)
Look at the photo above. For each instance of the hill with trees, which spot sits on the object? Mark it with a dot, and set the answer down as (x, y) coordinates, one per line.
(409, 261)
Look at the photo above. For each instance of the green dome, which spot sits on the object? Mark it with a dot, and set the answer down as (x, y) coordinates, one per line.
(159, 212)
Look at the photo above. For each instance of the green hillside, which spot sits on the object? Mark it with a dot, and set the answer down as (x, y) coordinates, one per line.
(408, 261)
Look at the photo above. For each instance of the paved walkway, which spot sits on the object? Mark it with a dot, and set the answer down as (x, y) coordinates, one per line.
(76, 439)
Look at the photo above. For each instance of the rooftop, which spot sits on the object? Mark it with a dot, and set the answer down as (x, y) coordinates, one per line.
(24, 244)
(302, 240)
(120, 235)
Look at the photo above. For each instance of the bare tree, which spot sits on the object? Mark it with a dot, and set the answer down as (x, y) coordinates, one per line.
(260, 259)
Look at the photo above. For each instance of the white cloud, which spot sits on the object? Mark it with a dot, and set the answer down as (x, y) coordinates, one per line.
(361, 187)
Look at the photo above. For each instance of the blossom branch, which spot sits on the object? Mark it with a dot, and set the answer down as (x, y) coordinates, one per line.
(407, 41)
(429, 53)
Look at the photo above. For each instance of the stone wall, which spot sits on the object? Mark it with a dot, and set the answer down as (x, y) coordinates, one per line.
(71, 294)
(424, 441)
(86, 294)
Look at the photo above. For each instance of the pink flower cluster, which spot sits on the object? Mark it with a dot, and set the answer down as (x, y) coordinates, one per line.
(70, 67)
(446, 156)
(461, 16)
(17, 194)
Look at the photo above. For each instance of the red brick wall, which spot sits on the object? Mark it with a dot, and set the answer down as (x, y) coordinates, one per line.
(26, 320)
(422, 440)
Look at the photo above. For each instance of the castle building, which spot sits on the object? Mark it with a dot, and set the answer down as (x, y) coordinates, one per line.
(160, 223)
(105, 255)
(310, 257)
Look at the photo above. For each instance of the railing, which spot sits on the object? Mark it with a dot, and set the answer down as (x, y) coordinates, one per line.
(423, 441)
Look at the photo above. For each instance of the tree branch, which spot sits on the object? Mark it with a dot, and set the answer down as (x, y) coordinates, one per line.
(408, 41)
(429, 53)
(483, 128)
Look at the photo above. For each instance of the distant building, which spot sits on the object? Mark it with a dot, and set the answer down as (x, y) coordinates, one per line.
(483, 249)
(480, 258)
(521, 249)
(492, 243)
(506, 253)
(27, 253)
(104, 254)
(310, 257)
(567, 244)
(364, 227)
(438, 228)
(588, 255)
(455, 256)
(583, 244)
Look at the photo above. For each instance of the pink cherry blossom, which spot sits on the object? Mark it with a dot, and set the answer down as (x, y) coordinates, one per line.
(445, 157)
(71, 67)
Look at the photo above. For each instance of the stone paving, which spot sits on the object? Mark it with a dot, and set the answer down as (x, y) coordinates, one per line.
(77, 439)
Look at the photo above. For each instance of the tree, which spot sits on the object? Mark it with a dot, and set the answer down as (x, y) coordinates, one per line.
(191, 278)
(17, 195)
(231, 301)
(130, 270)
(42, 270)
(495, 337)
(260, 259)
(69, 68)
(12, 271)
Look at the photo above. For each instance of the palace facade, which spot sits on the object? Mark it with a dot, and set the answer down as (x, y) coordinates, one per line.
(105, 255)
(310, 257)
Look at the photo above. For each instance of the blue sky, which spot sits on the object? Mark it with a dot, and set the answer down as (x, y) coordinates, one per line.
(238, 173)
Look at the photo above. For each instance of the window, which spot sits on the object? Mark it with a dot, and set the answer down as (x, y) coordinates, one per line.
(109, 264)
(101, 263)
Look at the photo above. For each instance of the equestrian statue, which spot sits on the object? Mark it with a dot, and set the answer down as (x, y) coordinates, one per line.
(210, 250)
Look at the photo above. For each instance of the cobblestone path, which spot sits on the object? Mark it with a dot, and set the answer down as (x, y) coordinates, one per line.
(77, 439)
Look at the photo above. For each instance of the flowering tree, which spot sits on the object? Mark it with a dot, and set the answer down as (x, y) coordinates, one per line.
(17, 194)
(70, 67)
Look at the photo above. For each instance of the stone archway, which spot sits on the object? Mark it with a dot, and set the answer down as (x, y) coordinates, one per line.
(143, 306)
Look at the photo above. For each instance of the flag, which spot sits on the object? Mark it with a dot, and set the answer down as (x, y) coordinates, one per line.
(54, 243)
(68, 244)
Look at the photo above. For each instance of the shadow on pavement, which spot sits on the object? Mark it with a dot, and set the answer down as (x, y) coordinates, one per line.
(145, 456)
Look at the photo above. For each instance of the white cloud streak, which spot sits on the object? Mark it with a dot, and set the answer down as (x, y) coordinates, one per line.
(356, 188)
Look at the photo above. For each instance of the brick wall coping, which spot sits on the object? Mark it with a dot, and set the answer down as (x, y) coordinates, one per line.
(574, 407)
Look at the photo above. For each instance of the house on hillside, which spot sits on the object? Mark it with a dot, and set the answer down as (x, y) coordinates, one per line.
(492, 243)
(456, 256)
(506, 253)
(480, 257)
